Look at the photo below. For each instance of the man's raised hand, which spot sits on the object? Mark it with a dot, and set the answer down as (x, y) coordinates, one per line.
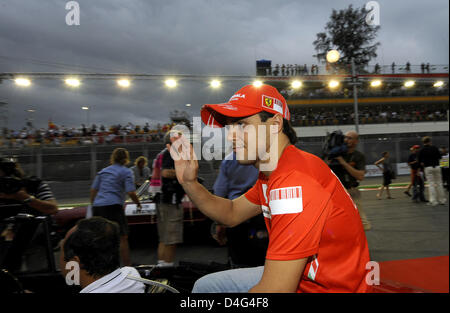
(182, 153)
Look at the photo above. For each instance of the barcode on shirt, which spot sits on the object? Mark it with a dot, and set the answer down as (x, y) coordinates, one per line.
(287, 200)
(286, 193)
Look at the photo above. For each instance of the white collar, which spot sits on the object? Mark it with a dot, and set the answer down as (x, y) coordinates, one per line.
(102, 281)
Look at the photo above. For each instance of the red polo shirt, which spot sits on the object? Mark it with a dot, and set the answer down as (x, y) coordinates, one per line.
(309, 214)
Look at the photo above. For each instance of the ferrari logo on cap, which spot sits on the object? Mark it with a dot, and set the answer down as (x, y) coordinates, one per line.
(268, 102)
(272, 103)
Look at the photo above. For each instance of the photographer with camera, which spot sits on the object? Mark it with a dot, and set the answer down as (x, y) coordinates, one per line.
(24, 231)
(32, 193)
(349, 166)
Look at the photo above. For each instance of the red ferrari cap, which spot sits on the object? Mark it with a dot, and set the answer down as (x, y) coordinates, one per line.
(249, 100)
(415, 147)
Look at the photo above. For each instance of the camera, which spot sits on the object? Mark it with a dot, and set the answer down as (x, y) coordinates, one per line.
(334, 145)
(12, 180)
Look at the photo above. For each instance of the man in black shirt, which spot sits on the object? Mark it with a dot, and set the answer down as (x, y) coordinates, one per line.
(416, 176)
(352, 170)
(429, 157)
(170, 212)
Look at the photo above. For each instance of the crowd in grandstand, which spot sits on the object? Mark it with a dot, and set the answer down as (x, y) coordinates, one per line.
(373, 114)
(347, 92)
(300, 116)
(61, 135)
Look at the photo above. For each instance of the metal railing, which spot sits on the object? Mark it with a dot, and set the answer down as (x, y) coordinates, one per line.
(281, 70)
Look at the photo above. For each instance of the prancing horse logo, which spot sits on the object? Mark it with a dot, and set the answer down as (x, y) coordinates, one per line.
(268, 102)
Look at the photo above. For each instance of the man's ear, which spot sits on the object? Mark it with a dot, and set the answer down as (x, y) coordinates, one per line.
(277, 120)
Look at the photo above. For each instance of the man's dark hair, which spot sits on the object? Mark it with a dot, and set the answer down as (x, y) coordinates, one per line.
(288, 130)
(96, 243)
(426, 140)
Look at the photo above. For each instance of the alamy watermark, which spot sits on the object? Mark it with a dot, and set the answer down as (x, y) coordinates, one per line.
(73, 16)
(73, 276)
(373, 15)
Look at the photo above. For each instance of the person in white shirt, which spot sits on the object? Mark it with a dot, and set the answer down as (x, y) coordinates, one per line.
(92, 246)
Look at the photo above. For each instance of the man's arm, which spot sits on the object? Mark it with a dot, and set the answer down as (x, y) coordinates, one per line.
(44, 206)
(280, 276)
(358, 174)
(378, 162)
(227, 212)
(135, 198)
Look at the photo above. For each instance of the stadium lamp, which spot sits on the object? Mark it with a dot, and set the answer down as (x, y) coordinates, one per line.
(375, 83)
(438, 84)
(72, 82)
(257, 83)
(333, 84)
(125, 83)
(409, 83)
(85, 108)
(296, 84)
(22, 82)
(171, 83)
(215, 84)
(188, 104)
(333, 56)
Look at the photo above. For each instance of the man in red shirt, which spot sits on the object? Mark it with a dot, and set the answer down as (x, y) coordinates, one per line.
(316, 239)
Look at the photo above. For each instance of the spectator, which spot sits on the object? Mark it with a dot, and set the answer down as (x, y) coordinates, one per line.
(388, 174)
(414, 167)
(377, 68)
(393, 67)
(94, 245)
(444, 166)
(408, 67)
(429, 157)
(141, 171)
(276, 70)
(108, 195)
(170, 212)
(350, 170)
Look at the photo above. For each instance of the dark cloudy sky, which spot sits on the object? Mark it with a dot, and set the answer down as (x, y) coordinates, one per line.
(205, 37)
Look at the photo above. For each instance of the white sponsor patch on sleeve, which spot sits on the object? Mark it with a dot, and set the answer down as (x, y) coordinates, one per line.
(286, 200)
(266, 211)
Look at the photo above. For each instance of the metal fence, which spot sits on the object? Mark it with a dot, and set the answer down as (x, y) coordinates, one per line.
(82, 163)
(303, 70)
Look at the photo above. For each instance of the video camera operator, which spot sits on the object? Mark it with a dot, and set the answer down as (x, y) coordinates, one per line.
(23, 240)
(34, 194)
(349, 166)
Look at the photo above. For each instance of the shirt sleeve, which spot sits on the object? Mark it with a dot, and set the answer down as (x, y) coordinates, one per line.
(253, 193)
(96, 183)
(221, 184)
(129, 181)
(44, 192)
(299, 207)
